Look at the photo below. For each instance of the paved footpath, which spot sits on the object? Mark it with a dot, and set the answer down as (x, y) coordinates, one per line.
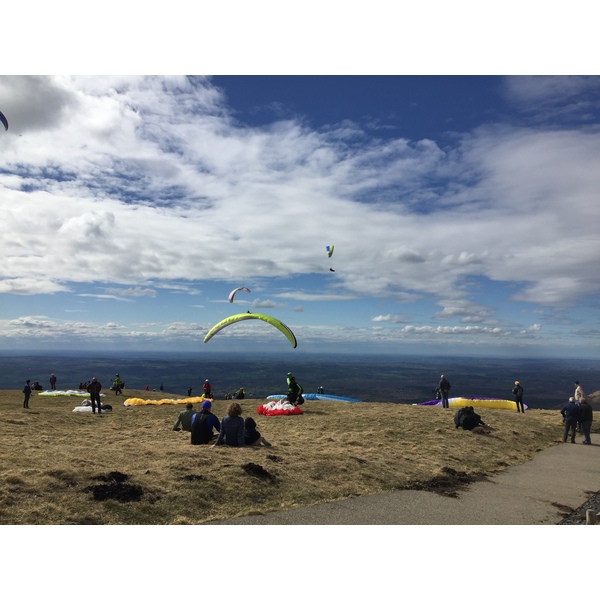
(541, 491)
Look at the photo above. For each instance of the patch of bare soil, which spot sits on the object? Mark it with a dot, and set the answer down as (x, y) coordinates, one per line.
(115, 488)
(257, 471)
(448, 484)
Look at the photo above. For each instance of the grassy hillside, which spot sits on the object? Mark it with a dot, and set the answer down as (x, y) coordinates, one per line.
(53, 462)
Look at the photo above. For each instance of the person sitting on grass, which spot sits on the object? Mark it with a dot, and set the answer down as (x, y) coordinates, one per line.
(203, 423)
(185, 418)
(469, 420)
(232, 428)
(252, 436)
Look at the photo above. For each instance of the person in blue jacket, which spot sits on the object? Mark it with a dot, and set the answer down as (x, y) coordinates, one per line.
(202, 425)
(232, 427)
(570, 413)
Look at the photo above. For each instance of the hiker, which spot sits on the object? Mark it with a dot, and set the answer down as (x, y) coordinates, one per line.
(207, 390)
(570, 413)
(232, 427)
(469, 420)
(518, 394)
(27, 394)
(294, 393)
(53, 382)
(252, 436)
(94, 390)
(444, 387)
(585, 419)
(185, 418)
(118, 385)
(202, 426)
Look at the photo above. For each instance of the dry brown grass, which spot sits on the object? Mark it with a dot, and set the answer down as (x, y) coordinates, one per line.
(50, 457)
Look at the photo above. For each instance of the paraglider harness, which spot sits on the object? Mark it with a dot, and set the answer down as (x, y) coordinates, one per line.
(294, 395)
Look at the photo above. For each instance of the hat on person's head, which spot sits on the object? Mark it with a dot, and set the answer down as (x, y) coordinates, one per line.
(571, 399)
(517, 383)
(206, 380)
(207, 404)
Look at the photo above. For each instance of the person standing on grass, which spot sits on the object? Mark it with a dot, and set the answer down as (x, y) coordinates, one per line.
(585, 418)
(53, 382)
(118, 385)
(27, 394)
(518, 394)
(444, 387)
(232, 427)
(94, 390)
(207, 390)
(570, 413)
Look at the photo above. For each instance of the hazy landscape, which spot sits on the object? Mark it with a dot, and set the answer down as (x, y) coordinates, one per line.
(380, 378)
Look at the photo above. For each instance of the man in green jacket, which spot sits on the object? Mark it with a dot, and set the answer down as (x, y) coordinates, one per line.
(185, 418)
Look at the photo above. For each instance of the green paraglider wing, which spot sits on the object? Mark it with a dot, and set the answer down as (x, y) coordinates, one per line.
(244, 316)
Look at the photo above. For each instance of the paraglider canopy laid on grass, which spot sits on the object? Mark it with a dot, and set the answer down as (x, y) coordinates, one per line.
(245, 316)
(233, 292)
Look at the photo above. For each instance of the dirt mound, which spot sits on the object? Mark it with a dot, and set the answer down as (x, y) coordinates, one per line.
(115, 488)
(258, 471)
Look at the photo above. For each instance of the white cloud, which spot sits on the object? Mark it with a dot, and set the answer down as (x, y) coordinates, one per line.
(139, 184)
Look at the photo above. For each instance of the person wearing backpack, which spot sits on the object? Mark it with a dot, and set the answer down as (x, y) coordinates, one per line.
(203, 423)
(295, 390)
(518, 394)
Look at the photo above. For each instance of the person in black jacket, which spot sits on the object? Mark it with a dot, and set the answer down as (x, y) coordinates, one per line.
(518, 394)
(94, 390)
(570, 413)
(444, 387)
(469, 420)
(585, 418)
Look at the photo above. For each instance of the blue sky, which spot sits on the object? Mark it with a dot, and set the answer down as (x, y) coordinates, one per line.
(464, 212)
(463, 207)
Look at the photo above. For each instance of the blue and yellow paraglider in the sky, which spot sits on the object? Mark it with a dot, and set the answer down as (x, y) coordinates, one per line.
(329, 250)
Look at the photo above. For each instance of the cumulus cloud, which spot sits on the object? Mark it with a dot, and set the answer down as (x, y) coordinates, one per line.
(145, 183)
